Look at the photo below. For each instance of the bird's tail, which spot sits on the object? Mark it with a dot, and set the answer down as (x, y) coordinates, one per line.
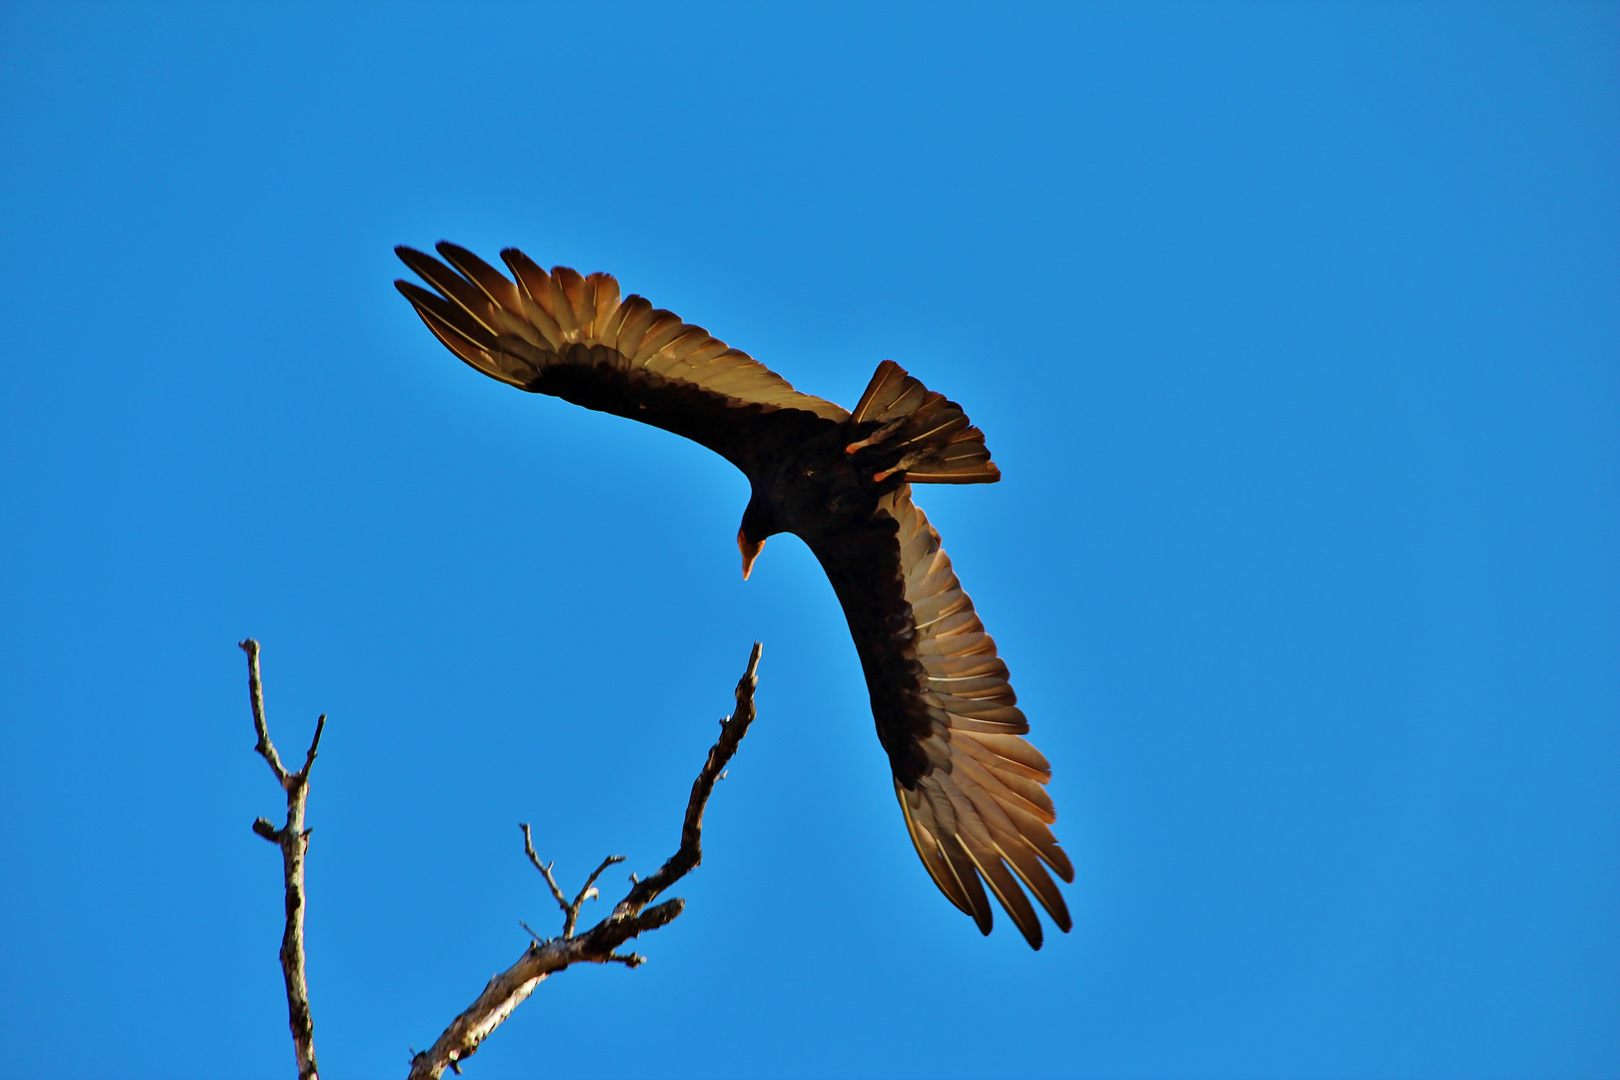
(904, 427)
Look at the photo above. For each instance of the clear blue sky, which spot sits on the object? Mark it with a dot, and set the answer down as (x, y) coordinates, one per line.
(1295, 329)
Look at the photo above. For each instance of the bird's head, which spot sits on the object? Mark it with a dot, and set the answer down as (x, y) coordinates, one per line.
(758, 524)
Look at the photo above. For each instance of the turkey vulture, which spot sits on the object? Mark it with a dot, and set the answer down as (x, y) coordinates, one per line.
(970, 788)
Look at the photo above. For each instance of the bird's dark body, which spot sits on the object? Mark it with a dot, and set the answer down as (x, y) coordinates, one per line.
(828, 499)
(970, 787)
(802, 482)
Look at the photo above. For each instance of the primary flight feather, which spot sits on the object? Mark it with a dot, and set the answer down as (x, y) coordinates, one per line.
(971, 788)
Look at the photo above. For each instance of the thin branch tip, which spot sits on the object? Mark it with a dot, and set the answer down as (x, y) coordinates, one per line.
(544, 868)
(314, 747)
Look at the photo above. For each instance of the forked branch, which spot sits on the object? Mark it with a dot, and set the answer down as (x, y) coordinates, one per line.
(293, 839)
(598, 945)
(586, 892)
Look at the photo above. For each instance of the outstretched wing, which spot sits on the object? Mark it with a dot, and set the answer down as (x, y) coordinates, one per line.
(571, 336)
(970, 787)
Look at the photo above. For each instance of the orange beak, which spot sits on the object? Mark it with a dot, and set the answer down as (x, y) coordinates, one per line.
(750, 552)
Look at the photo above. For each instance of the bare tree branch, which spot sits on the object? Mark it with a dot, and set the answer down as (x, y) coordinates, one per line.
(586, 892)
(544, 868)
(630, 917)
(293, 839)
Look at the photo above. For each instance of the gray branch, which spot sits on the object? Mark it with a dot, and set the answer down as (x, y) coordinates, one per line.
(293, 839)
(630, 917)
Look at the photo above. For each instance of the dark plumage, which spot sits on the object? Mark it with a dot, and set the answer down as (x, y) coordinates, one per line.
(970, 787)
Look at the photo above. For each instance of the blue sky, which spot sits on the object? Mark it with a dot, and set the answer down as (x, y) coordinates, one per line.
(1294, 330)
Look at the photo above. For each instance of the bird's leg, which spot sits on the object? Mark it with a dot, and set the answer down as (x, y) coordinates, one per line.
(902, 465)
(877, 436)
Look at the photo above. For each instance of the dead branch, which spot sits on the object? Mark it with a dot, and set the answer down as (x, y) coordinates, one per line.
(293, 839)
(630, 917)
(586, 892)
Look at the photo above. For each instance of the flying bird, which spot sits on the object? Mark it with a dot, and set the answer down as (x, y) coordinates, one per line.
(971, 788)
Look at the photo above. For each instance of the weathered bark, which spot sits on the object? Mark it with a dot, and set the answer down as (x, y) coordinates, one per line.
(293, 839)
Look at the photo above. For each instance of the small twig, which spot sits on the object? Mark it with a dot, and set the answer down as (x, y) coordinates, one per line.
(598, 945)
(293, 839)
(570, 911)
(260, 727)
(315, 745)
(544, 868)
(587, 892)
